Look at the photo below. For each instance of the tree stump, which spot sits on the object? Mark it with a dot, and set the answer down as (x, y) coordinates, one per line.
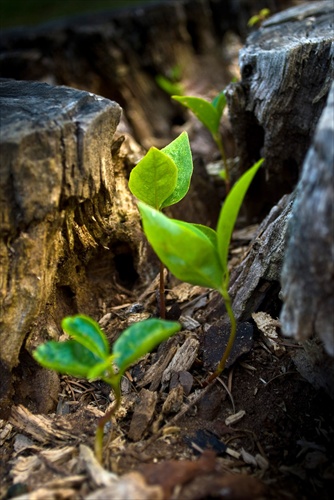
(69, 231)
(285, 104)
(286, 67)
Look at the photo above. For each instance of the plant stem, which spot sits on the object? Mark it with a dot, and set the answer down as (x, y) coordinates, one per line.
(162, 292)
(231, 339)
(98, 445)
(220, 146)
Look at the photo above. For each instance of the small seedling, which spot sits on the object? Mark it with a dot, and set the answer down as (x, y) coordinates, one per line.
(209, 113)
(161, 179)
(197, 254)
(87, 355)
(259, 18)
(171, 85)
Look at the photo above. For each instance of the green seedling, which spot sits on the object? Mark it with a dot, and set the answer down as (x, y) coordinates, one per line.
(197, 254)
(209, 113)
(259, 18)
(161, 179)
(171, 85)
(87, 355)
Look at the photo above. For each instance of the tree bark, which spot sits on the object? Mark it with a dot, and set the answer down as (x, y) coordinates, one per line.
(286, 69)
(285, 83)
(308, 270)
(68, 230)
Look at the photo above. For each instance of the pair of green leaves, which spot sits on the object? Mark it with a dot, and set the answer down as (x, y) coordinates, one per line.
(209, 113)
(162, 177)
(194, 253)
(87, 354)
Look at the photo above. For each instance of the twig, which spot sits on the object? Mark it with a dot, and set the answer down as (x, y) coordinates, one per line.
(228, 392)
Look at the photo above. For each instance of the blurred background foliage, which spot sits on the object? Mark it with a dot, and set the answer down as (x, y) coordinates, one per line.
(30, 12)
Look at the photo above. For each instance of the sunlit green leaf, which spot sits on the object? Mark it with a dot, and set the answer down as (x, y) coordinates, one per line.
(154, 178)
(68, 357)
(140, 338)
(209, 232)
(179, 151)
(184, 249)
(87, 332)
(203, 109)
(219, 102)
(229, 212)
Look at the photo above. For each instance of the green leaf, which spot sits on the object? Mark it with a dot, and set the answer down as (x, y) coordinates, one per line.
(169, 86)
(140, 338)
(101, 370)
(253, 20)
(184, 249)
(229, 213)
(209, 232)
(203, 109)
(68, 357)
(87, 332)
(154, 178)
(179, 151)
(219, 103)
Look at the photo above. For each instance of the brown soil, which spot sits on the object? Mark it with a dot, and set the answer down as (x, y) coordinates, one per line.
(281, 448)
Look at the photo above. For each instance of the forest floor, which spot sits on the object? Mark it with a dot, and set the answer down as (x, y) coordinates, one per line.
(260, 431)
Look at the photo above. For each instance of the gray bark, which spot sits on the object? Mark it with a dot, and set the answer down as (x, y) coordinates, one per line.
(284, 94)
(286, 67)
(308, 270)
(258, 275)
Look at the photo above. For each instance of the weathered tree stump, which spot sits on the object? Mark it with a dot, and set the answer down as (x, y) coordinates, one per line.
(68, 228)
(285, 106)
(286, 69)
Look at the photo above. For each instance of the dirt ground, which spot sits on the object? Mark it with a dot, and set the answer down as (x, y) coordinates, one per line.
(269, 430)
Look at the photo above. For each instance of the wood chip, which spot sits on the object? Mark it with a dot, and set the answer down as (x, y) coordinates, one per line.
(39, 427)
(154, 373)
(46, 429)
(96, 472)
(5, 431)
(26, 468)
(183, 359)
(174, 401)
(189, 323)
(143, 414)
(233, 419)
(268, 327)
(129, 486)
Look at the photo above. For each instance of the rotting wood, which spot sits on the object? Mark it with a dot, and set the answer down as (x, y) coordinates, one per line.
(46, 429)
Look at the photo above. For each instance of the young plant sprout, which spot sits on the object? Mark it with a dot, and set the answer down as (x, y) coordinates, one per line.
(87, 355)
(259, 18)
(209, 113)
(197, 254)
(171, 85)
(161, 179)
